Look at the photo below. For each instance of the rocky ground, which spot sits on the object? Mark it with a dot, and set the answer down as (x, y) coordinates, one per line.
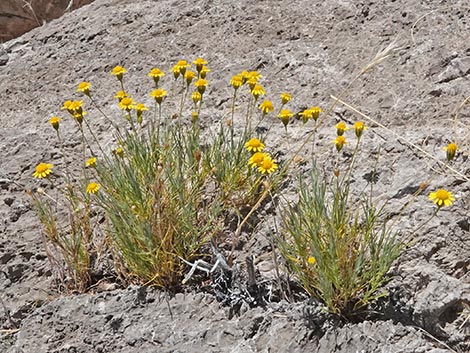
(311, 49)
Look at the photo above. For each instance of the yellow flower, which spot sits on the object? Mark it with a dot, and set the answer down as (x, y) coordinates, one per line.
(266, 107)
(252, 83)
(66, 105)
(451, 149)
(339, 142)
(91, 162)
(199, 62)
(158, 94)
(93, 188)
(196, 97)
(254, 145)
(75, 107)
(43, 170)
(118, 151)
(310, 113)
(359, 127)
(256, 159)
(194, 116)
(54, 121)
(140, 107)
(253, 75)
(311, 260)
(245, 75)
(267, 166)
(285, 115)
(120, 95)
(84, 87)
(79, 117)
(204, 71)
(180, 67)
(201, 85)
(118, 71)
(442, 197)
(257, 91)
(341, 128)
(285, 98)
(189, 76)
(156, 73)
(236, 81)
(126, 103)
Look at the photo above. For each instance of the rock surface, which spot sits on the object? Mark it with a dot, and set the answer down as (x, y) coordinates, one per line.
(311, 49)
(20, 16)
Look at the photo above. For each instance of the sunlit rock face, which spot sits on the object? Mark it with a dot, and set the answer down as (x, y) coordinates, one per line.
(19, 16)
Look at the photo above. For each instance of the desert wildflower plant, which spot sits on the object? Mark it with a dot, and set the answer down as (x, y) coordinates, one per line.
(153, 201)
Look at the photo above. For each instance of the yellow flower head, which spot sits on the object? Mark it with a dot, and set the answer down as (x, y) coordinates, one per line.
(251, 82)
(93, 188)
(339, 142)
(189, 76)
(156, 73)
(310, 113)
(140, 107)
(285, 115)
(75, 107)
(84, 87)
(245, 75)
(79, 117)
(201, 85)
(66, 105)
(158, 94)
(118, 71)
(285, 98)
(267, 166)
(236, 81)
(43, 170)
(311, 260)
(266, 107)
(255, 75)
(126, 103)
(120, 95)
(118, 152)
(196, 97)
(90, 162)
(204, 71)
(181, 67)
(199, 62)
(451, 150)
(341, 128)
(359, 127)
(54, 121)
(254, 145)
(442, 197)
(257, 91)
(256, 159)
